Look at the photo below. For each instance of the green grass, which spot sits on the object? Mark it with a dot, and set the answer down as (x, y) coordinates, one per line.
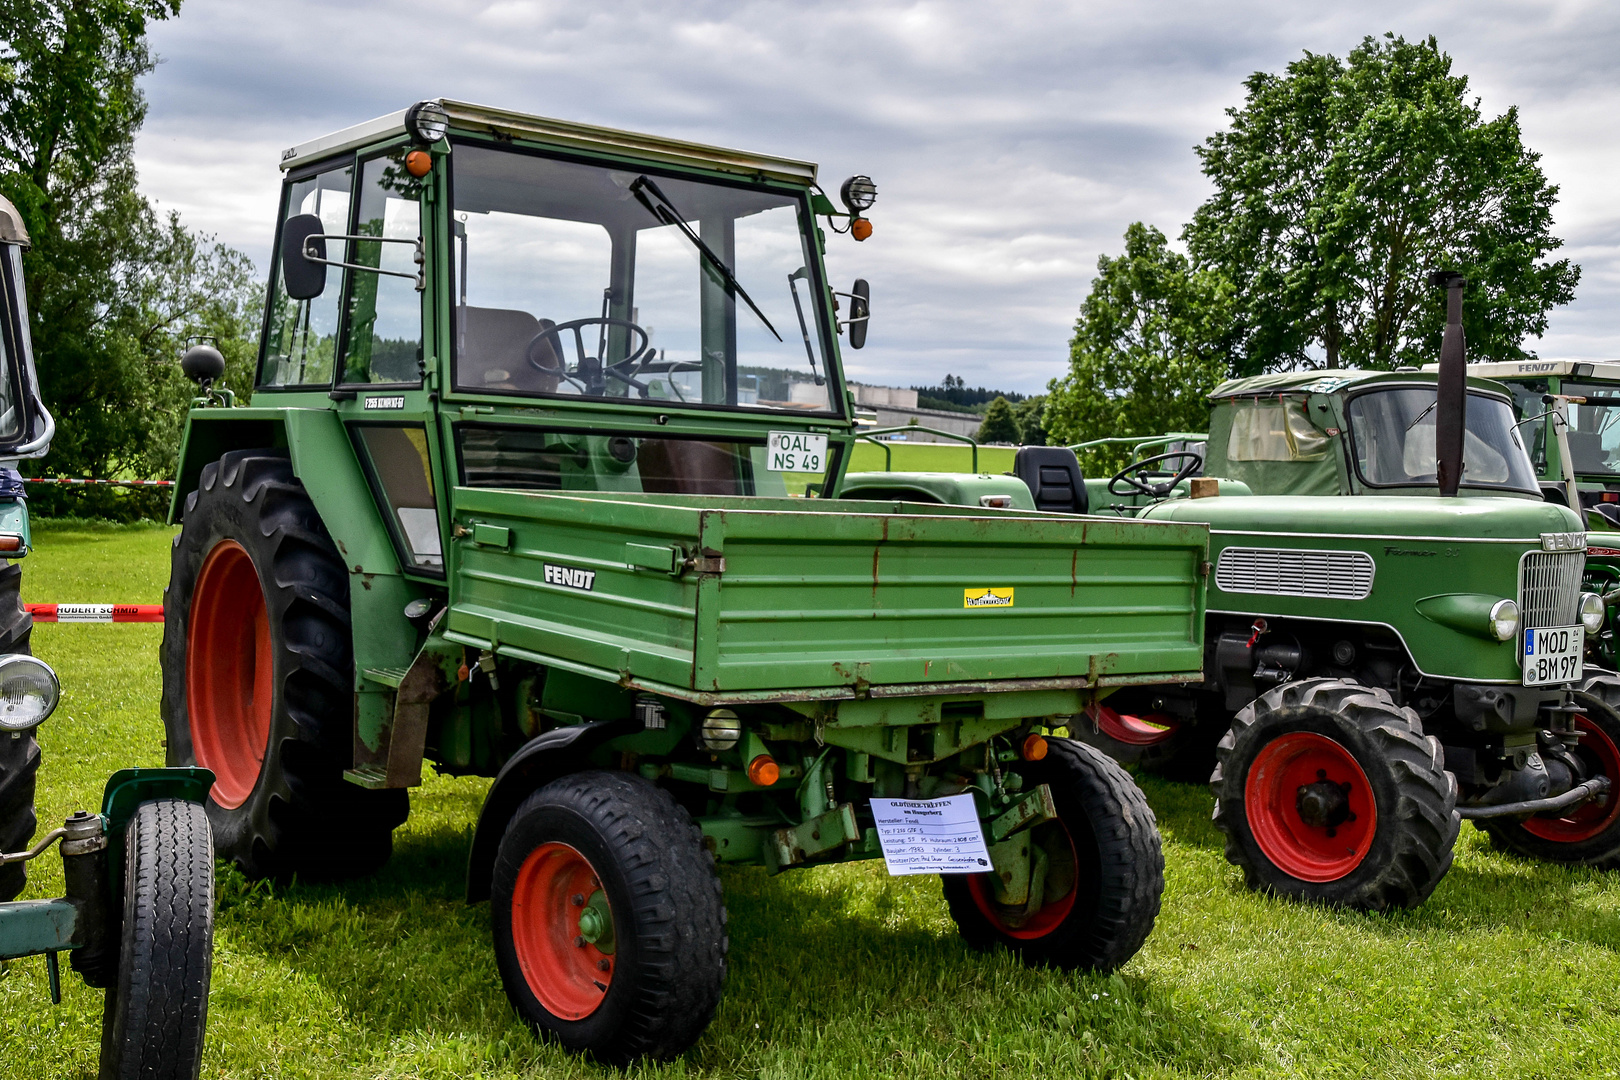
(1510, 970)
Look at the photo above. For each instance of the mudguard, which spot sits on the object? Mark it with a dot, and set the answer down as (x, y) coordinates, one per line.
(542, 759)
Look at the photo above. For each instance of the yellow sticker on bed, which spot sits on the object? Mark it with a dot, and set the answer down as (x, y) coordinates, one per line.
(982, 598)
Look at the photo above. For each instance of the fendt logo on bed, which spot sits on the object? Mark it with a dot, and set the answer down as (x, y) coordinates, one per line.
(570, 578)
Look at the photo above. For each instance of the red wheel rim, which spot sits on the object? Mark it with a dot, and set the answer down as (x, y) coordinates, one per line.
(1590, 818)
(1271, 794)
(1044, 921)
(229, 668)
(1131, 730)
(569, 975)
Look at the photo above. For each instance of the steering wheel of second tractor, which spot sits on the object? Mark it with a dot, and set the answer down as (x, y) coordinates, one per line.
(591, 373)
(1137, 484)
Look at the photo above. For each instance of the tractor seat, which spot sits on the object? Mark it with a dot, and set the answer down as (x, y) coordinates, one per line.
(493, 351)
(1052, 474)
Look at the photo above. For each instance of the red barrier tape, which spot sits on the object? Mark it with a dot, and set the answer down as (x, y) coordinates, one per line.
(109, 483)
(60, 613)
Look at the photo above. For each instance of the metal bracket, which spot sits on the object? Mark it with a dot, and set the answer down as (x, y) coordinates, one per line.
(37, 850)
(821, 834)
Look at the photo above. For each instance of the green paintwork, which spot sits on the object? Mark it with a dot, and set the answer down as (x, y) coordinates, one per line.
(14, 522)
(956, 489)
(1468, 613)
(838, 629)
(31, 927)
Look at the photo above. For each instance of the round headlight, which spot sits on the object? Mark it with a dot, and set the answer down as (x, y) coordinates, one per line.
(1504, 619)
(427, 122)
(28, 692)
(1591, 612)
(858, 193)
(721, 730)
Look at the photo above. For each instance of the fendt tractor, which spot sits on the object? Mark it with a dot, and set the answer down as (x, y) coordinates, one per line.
(1569, 414)
(539, 481)
(1378, 666)
(137, 916)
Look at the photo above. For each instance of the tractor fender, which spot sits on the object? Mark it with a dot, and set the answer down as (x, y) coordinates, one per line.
(542, 759)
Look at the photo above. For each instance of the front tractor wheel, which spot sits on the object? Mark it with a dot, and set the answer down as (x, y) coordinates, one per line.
(1588, 834)
(1100, 865)
(610, 930)
(1329, 792)
(258, 676)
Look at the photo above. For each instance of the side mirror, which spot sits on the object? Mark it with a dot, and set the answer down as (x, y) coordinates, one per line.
(860, 309)
(203, 365)
(304, 279)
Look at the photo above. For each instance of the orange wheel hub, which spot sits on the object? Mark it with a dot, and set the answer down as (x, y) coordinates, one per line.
(229, 669)
(562, 931)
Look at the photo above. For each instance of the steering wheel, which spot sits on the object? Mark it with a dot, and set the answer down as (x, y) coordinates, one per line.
(591, 372)
(1134, 485)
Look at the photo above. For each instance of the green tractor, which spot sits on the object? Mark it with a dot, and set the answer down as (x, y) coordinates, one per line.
(1569, 413)
(1395, 631)
(138, 914)
(540, 482)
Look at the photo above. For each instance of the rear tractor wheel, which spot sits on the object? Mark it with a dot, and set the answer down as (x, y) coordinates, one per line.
(19, 750)
(258, 676)
(1588, 834)
(610, 930)
(1100, 865)
(1329, 792)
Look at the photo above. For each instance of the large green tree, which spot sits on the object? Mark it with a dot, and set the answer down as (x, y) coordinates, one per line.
(1340, 184)
(1153, 339)
(115, 289)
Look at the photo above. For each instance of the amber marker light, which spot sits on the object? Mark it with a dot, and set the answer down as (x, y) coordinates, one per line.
(860, 228)
(419, 163)
(763, 771)
(11, 542)
(1034, 748)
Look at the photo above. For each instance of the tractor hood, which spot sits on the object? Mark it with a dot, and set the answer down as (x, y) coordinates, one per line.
(1393, 516)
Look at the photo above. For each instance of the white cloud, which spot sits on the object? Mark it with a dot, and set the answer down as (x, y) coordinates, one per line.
(1012, 143)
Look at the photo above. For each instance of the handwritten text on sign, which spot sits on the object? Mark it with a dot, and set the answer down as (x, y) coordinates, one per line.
(794, 451)
(931, 836)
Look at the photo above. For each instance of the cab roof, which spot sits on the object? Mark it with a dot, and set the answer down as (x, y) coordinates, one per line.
(562, 133)
(1606, 370)
(1336, 381)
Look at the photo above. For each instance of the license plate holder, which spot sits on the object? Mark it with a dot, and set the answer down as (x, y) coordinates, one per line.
(1552, 654)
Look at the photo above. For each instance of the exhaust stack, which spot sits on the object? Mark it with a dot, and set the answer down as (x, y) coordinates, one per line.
(1451, 405)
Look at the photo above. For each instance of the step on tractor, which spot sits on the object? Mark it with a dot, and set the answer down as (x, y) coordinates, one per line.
(137, 916)
(1569, 416)
(540, 481)
(1395, 627)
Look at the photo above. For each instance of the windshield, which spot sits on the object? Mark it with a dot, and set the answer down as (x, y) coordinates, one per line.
(581, 280)
(1393, 434)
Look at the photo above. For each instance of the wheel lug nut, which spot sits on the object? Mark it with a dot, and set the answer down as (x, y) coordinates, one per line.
(579, 942)
(603, 965)
(578, 899)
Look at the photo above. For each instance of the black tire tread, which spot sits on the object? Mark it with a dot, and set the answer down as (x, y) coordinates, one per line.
(1426, 819)
(305, 792)
(678, 911)
(154, 1015)
(19, 751)
(1130, 867)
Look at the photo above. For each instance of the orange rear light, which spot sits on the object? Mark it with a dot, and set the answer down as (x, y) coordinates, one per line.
(1034, 748)
(764, 771)
(418, 163)
(11, 543)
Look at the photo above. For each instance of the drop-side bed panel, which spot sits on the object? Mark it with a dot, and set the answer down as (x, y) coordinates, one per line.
(796, 595)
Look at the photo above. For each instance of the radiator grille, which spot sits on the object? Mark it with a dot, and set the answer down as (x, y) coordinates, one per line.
(1340, 575)
(1550, 588)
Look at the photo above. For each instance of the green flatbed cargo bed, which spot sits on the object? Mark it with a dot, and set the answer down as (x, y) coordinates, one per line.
(789, 599)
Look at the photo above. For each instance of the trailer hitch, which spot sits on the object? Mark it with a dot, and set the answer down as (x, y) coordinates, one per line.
(1575, 796)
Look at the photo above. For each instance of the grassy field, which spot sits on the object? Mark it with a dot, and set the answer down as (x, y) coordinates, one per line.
(1510, 970)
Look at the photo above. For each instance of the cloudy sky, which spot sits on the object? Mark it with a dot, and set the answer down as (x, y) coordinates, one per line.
(1012, 142)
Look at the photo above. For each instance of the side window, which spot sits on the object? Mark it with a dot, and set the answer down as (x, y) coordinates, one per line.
(385, 309)
(403, 477)
(1275, 430)
(301, 341)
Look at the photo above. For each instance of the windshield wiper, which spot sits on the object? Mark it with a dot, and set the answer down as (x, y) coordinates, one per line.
(1427, 409)
(658, 204)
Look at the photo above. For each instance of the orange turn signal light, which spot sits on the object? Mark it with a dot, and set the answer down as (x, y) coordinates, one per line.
(860, 228)
(418, 163)
(11, 542)
(763, 771)
(1034, 748)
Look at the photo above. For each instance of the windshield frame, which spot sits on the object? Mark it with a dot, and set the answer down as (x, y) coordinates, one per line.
(1353, 450)
(831, 358)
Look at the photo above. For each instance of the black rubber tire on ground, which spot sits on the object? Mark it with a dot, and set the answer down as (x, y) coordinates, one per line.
(668, 914)
(301, 816)
(1409, 848)
(19, 750)
(1598, 845)
(1119, 876)
(154, 1014)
